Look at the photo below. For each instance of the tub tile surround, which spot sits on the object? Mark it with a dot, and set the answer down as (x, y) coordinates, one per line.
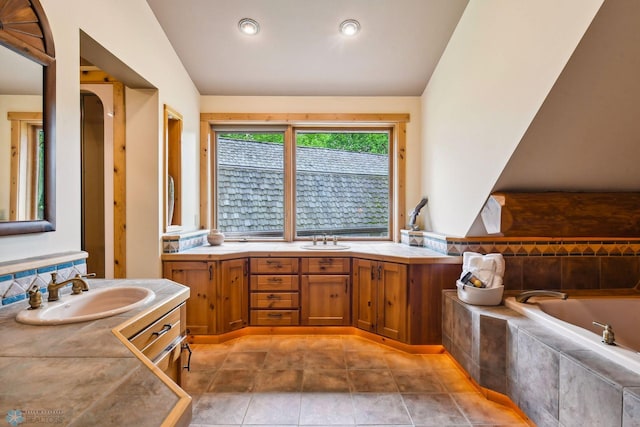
(16, 278)
(514, 246)
(564, 264)
(555, 381)
(631, 409)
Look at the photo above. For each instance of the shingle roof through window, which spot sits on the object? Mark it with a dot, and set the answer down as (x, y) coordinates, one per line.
(336, 190)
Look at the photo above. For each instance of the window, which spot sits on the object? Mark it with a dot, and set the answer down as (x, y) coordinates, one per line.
(294, 176)
(342, 183)
(250, 184)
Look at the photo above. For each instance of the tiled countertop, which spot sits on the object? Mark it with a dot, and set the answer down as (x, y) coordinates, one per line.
(382, 251)
(82, 374)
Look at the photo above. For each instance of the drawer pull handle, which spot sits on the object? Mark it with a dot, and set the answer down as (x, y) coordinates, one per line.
(166, 328)
(274, 296)
(186, 346)
(275, 279)
(275, 315)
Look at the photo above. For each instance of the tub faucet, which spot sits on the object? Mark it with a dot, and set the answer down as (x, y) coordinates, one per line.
(608, 337)
(78, 285)
(523, 297)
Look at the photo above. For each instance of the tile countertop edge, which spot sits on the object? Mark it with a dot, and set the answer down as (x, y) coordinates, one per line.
(177, 414)
(394, 252)
(169, 294)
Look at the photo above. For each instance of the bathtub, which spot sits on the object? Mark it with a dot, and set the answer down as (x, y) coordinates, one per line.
(573, 318)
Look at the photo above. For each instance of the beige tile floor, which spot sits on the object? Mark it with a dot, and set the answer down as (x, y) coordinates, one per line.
(324, 380)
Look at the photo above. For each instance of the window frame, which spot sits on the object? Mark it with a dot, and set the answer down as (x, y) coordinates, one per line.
(394, 123)
(350, 128)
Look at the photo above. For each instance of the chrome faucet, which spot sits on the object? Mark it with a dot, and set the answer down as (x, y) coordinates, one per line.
(523, 297)
(78, 285)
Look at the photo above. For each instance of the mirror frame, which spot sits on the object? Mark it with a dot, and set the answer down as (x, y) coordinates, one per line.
(38, 48)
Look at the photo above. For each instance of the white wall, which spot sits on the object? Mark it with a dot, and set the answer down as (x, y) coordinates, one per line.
(590, 119)
(144, 211)
(499, 66)
(128, 29)
(317, 104)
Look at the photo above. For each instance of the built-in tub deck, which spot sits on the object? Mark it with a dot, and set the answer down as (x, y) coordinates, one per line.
(575, 317)
(553, 378)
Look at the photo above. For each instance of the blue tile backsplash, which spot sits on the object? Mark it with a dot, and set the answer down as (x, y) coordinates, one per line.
(178, 242)
(14, 286)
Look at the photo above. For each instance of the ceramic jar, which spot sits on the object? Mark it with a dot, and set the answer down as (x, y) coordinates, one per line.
(215, 237)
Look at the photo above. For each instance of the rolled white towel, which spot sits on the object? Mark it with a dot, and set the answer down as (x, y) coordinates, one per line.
(466, 258)
(488, 268)
(497, 281)
(499, 260)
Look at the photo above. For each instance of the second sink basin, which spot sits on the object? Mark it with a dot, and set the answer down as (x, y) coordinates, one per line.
(327, 247)
(91, 305)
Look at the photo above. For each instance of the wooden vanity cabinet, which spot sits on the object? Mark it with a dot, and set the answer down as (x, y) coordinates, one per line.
(199, 276)
(380, 298)
(162, 341)
(325, 291)
(234, 294)
(395, 300)
(219, 293)
(275, 296)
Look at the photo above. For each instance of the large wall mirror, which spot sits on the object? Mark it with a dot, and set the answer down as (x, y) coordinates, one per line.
(27, 119)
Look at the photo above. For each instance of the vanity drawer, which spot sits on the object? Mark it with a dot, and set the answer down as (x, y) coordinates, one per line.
(275, 317)
(275, 300)
(274, 283)
(167, 359)
(159, 335)
(326, 265)
(274, 265)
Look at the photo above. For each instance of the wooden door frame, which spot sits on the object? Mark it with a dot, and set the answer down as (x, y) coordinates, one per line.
(119, 168)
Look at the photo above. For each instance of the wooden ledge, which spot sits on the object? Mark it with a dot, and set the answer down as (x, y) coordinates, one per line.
(563, 214)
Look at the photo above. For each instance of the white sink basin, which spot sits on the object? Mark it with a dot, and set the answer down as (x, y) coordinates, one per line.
(327, 247)
(91, 305)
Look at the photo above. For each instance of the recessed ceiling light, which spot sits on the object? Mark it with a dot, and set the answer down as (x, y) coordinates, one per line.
(248, 26)
(350, 27)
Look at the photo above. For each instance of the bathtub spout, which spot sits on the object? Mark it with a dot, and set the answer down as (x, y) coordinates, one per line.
(524, 296)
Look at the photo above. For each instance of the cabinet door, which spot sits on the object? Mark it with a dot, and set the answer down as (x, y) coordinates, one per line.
(199, 277)
(392, 300)
(234, 291)
(365, 294)
(325, 300)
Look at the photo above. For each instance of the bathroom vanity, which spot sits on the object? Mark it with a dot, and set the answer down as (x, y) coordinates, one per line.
(118, 370)
(386, 289)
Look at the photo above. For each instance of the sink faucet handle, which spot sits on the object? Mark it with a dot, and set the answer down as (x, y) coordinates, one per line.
(35, 297)
(54, 275)
(79, 285)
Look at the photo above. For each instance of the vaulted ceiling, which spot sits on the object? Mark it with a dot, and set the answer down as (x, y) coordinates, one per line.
(299, 50)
